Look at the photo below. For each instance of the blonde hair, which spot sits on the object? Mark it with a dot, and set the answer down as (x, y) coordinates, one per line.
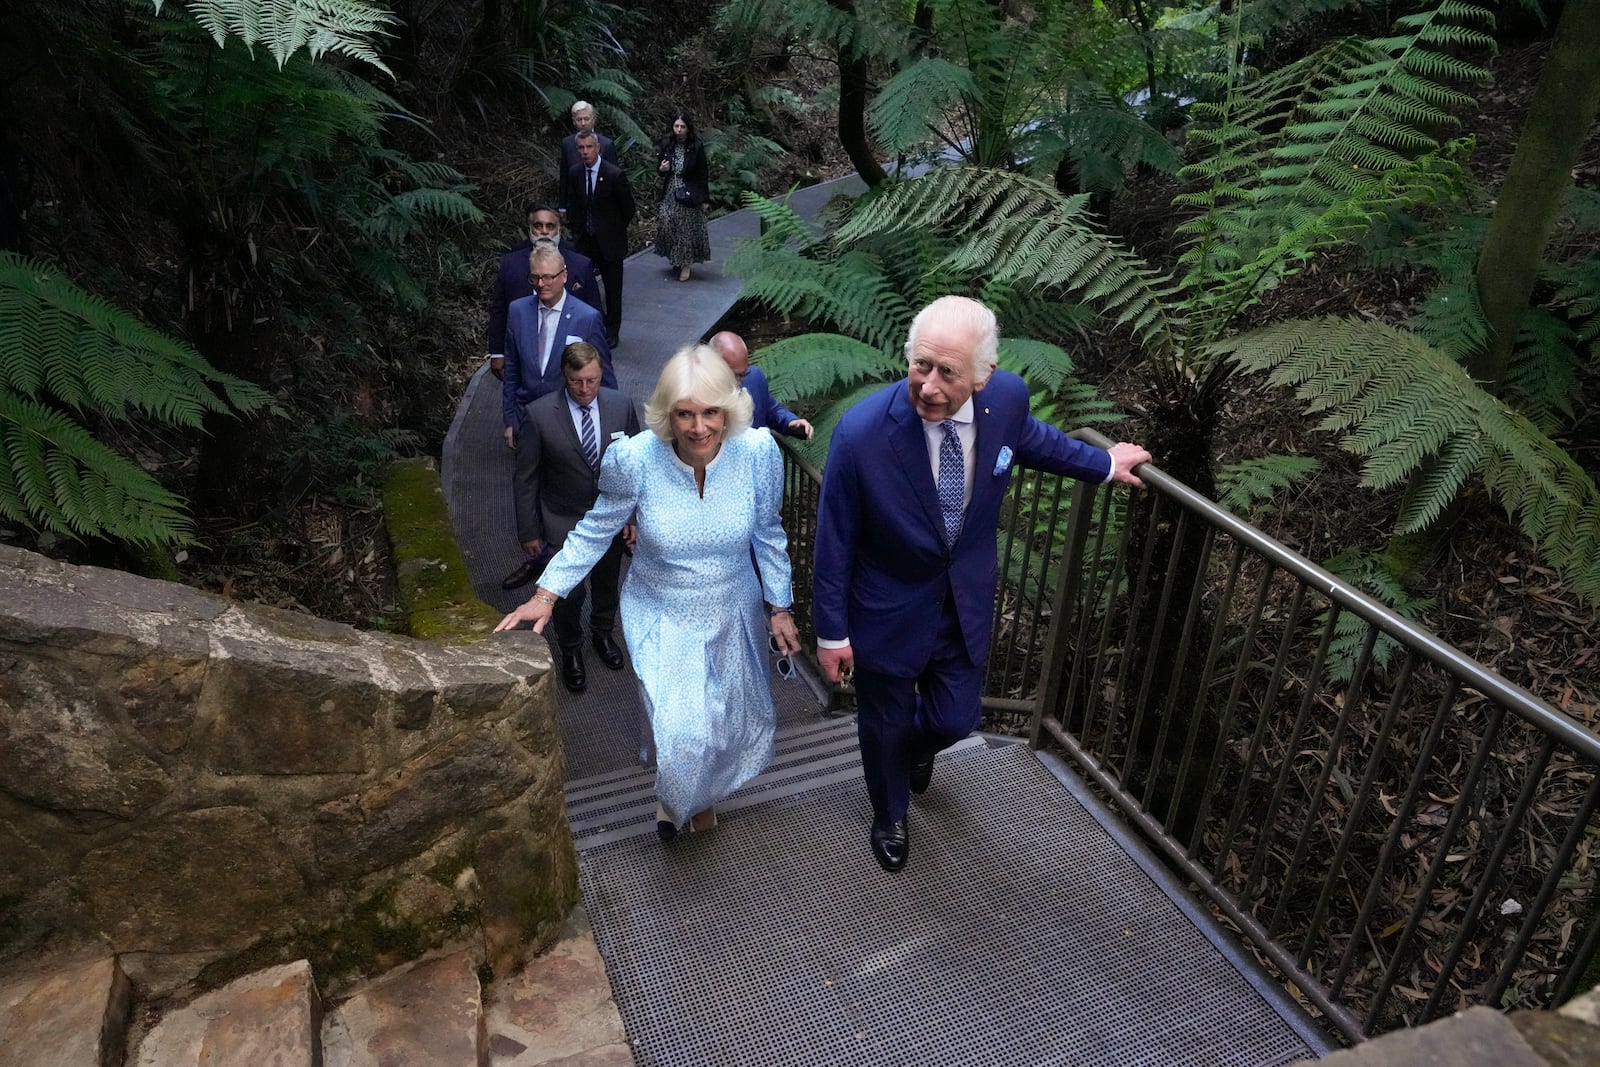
(697, 373)
(966, 314)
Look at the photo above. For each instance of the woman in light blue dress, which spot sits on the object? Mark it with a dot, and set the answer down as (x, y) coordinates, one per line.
(704, 491)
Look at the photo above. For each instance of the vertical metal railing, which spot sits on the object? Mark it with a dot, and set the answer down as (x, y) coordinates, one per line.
(1400, 831)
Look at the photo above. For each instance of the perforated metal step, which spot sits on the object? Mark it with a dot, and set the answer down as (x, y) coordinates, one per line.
(1021, 932)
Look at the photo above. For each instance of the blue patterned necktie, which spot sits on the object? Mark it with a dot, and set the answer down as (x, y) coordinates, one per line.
(952, 481)
(591, 451)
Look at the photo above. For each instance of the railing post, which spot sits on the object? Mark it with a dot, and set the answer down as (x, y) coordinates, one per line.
(1069, 587)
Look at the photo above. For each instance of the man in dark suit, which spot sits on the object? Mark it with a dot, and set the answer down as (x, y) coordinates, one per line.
(583, 120)
(557, 480)
(599, 215)
(767, 411)
(511, 278)
(538, 327)
(905, 550)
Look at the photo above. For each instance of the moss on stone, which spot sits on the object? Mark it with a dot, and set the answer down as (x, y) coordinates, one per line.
(435, 589)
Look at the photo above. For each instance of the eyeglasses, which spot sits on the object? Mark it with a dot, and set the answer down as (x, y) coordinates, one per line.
(785, 667)
(539, 279)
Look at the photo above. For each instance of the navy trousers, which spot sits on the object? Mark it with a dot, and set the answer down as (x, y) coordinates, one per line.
(901, 721)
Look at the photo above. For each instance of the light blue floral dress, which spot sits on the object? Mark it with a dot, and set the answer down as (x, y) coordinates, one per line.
(691, 604)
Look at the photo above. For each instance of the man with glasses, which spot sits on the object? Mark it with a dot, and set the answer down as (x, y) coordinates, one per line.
(768, 412)
(538, 329)
(511, 278)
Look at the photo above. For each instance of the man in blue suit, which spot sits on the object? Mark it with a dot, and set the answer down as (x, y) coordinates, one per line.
(538, 328)
(511, 278)
(905, 552)
(767, 411)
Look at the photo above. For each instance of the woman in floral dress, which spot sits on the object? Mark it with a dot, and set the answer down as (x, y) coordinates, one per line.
(680, 220)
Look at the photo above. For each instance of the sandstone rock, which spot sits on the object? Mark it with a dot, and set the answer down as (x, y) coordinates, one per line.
(73, 1017)
(431, 1014)
(59, 750)
(272, 1018)
(429, 796)
(280, 708)
(197, 880)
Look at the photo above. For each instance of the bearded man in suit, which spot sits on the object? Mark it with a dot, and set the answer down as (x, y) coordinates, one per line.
(557, 481)
(905, 566)
(599, 212)
(511, 281)
(538, 328)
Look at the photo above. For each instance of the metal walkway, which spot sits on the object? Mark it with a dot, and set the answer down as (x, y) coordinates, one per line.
(1029, 928)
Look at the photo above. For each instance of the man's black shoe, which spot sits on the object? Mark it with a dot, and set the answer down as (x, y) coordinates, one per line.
(890, 844)
(613, 342)
(610, 653)
(526, 571)
(921, 775)
(572, 675)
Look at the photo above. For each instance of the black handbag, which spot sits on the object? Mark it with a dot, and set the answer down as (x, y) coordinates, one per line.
(685, 196)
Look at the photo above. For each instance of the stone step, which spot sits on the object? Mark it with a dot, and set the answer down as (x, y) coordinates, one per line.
(66, 1016)
(430, 1013)
(271, 1018)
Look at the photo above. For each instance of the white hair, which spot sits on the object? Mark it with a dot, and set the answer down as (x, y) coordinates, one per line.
(584, 105)
(697, 373)
(966, 314)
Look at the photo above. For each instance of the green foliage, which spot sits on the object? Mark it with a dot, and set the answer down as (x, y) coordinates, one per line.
(1373, 576)
(63, 348)
(736, 158)
(287, 26)
(346, 460)
(302, 146)
(1400, 402)
(1250, 483)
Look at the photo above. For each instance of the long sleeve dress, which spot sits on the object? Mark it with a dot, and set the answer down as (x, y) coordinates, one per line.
(691, 603)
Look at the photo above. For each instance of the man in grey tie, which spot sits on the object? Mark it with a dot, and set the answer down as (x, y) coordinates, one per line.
(559, 452)
(905, 567)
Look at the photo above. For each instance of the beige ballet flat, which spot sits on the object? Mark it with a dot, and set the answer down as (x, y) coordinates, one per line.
(703, 821)
(683, 275)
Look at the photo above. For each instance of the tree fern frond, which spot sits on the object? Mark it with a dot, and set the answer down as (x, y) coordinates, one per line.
(1243, 485)
(286, 26)
(911, 104)
(1045, 365)
(63, 342)
(1431, 411)
(817, 364)
(823, 424)
(54, 476)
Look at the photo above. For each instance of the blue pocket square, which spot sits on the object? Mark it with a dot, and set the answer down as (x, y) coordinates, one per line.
(1002, 462)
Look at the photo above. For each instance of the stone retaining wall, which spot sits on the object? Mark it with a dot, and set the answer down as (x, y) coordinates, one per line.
(205, 786)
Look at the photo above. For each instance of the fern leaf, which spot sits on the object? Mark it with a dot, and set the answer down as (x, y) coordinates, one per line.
(286, 26)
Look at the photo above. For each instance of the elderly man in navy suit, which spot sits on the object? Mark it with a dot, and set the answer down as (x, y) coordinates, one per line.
(538, 329)
(511, 280)
(768, 412)
(905, 551)
(599, 212)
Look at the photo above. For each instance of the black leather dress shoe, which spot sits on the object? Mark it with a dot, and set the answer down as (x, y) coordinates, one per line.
(921, 775)
(526, 572)
(890, 844)
(572, 675)
(609, 651)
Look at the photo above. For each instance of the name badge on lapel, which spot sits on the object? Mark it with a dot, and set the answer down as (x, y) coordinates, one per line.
(1002, 462)
(619, 434)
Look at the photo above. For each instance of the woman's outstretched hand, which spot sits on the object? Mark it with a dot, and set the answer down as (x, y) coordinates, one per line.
(536, 610)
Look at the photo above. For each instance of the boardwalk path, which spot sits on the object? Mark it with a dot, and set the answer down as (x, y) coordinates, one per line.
(1027, 929)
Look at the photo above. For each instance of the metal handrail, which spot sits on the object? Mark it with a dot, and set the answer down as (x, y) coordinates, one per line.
(1362, 783)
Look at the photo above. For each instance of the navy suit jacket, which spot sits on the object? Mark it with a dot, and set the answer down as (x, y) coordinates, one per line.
(768, 412)
(610, 211)
(522, 381)
(566, 192)
(511, 283)
(882, 568)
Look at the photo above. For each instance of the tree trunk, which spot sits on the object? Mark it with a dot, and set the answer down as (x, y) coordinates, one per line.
(853, 110)
(1559, 119)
